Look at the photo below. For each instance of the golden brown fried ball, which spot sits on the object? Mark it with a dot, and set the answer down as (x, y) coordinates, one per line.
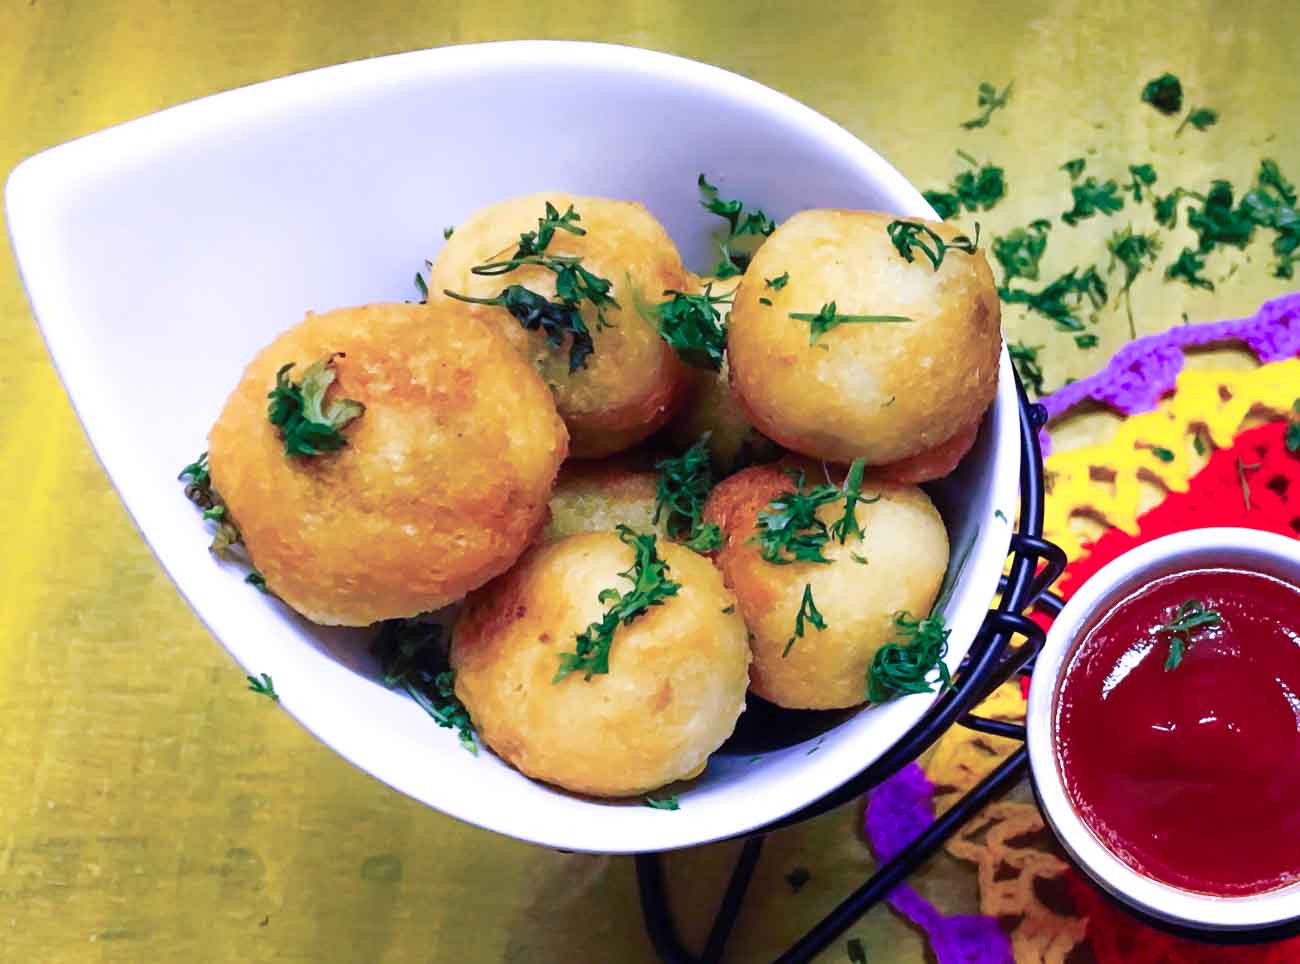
(632, 382)
(442, 484)
(676, 680)
(883, 392)
(897, 565)
(600, 496)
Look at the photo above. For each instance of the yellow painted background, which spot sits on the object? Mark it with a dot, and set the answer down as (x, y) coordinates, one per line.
(153, 810)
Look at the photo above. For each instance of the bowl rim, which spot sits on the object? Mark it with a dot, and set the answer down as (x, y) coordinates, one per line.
(43, 179)
(1207, 547)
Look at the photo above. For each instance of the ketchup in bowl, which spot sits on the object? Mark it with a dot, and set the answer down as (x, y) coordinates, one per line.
(1178, 731)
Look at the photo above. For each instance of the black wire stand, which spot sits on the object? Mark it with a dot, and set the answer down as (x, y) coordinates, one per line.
(991, 661)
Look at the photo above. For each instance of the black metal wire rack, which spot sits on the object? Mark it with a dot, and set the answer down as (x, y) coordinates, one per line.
(992, 659)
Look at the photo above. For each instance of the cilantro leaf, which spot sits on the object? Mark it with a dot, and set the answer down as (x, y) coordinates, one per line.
(1061, 299)
(828, 318)
(1164, 93)
(1091, 197)
(681, 490)
(1086, 341)
(1025, 360)
(906, 235)
(740, 223)
(1216, 221)
(989, 101)
(847, 524)
(306, 425)
(1074, 167)
(199, 490)
(651, 585)
(1202, 118)
(663, 803)
(1021, 251)
(1134, 252)
(413, 657)
(534, 312)
(973, 190)
(263, 686)
(777, 283)
(790, 531)
(1188, 269)
(1143, 176)
(693, 326)
(1191, 615)
(905, 666)
(807, 611)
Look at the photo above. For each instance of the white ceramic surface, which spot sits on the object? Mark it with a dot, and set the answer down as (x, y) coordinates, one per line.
(1247, 549)
(160, 255)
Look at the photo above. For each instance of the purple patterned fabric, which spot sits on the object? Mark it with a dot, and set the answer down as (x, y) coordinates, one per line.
(1144, 371)
(897, 812)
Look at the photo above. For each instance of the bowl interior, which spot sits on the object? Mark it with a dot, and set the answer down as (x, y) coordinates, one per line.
(161, 255)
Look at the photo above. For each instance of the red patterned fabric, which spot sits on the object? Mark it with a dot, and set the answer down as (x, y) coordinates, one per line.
(1215, 498)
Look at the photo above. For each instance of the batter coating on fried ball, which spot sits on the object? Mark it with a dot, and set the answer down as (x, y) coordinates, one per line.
(676, 680)
(897, 565)
(880, 391)
(632, 381)
(598, 497)
(442, 484)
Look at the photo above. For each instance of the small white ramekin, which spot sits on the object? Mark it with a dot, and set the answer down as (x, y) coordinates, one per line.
(1247, 549)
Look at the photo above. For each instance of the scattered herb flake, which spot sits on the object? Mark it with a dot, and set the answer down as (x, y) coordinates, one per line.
(907, 235)
(765, 301)
(828, 318)
(651, 585)
(199, 490)
(1187, 269)
(421, 286)
(1061, 299)
(1021, 250)
(663, 803)
(777, 283)
(1074, 167)
(1191, 615)
(413, 657)
(1216, 221)
(263, 686)
(1163, 454)
(847, 524)
(1202, 118)
(790, 531)
(306, 424)
(1091, 197)
(1198, 444)
(999, 514)
(1025, 359)
(989, 101)
(1164, 93)
(1143, 176)
(740, 223)
(1134, 252)
(807, 611)
(681, 489)
(973, 190)
(257, 581)
(692, 325)
(1086, 341)
(447, 232)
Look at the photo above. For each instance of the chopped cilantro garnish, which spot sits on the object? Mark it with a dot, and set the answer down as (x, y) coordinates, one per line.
(1143, 176)
(263, 687)
(740, 223)
(650, 587)
(1191, 615)
(1188, 269)
(989, 101)
(1091, 197)
(1134, 252)
(765, 301)
(1198, 444)
(807, 611)
(1216, 221)
(199, 490)
(1025, 359)
(1201, 118)
(447, 232)
(1021, 250)
(973, 190)
(847, 524)
(1163, 454)
(257, 581)
(413, 657)
(1271, 204)
(574, 284)
(1061, 299)
(422, 286)
(1086, 341)
(777, 283)
(1074, 167)
(1165, 94)
(682, 487)
(663, 803)
(1167, 207)
(828, 317)
(789, 531)
(307, 426)
(909, 235)
(693, 326)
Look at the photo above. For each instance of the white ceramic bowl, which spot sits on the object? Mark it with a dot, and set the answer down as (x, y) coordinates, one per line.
(1247, 549)
(160, 255)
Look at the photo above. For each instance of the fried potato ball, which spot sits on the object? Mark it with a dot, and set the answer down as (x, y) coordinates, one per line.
(676, 680)
(879, 391)
(443, 481)
(632, 382)
(897, 565)
(713, 408)
(599, 497)
(933, 463)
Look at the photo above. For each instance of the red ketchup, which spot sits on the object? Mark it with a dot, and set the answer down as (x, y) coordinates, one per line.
(1191, 775)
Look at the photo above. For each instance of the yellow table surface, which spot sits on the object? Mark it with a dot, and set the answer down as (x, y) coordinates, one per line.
(151, 809)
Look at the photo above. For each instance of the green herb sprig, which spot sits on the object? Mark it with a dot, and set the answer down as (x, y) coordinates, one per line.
(681, 490)
(1164, 93)
(693, 326)
(1142, 176)
(1021, 251)
(910, 235)
(790, 531)
(1025, 358)
(534, 312)
(199, 490)
(308, 426)
(1135, 252)
(651, 585)
(740, 223)
(663, 803)
(978, 189)
(1061, 300)
(263, 687)
(1190, 616)
(829, 318)
(989, 101)
(1091, 197)
(1187, 269)
(847, 524)
(413, 657)
(808, 612)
